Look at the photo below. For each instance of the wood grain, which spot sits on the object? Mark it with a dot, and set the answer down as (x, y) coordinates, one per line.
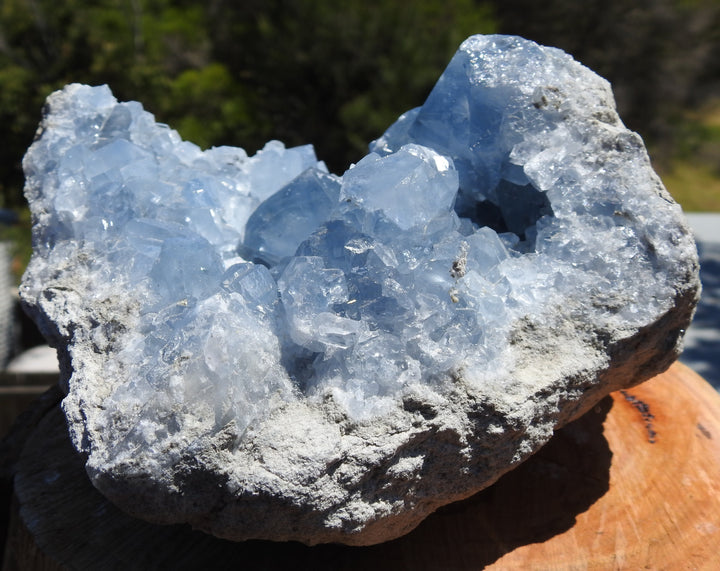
(633, 484)
(662, 509)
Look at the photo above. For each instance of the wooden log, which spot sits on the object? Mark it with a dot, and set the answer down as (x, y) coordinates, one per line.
(633, 484)
(662, 509)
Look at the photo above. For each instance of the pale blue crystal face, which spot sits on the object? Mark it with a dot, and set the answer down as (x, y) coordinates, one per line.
(263, 278)
(289, 216)
(410, 187)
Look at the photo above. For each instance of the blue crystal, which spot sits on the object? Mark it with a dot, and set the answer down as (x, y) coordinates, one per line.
(254, 283)
(309, 292)
(186, 267)
(410, 187)
(482, 207)
(284, 220)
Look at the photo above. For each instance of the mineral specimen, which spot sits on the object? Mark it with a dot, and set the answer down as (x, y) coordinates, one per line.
(266, 350)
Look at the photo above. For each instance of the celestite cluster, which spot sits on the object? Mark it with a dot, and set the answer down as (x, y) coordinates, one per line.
(513, 198)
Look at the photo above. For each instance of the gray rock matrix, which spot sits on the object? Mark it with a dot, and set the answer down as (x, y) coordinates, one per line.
(598, 282)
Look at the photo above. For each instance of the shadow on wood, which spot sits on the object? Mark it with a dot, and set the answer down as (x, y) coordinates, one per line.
(76, 525)
(630, 484)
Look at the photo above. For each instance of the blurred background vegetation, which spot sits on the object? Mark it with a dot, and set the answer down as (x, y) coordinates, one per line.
(336, 74)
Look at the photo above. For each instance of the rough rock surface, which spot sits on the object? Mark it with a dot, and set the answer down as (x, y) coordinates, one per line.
(265, 350)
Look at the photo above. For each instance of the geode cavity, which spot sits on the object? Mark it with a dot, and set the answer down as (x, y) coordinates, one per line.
(266, 350)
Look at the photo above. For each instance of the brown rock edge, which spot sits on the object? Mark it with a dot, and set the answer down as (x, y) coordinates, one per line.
(633, 484)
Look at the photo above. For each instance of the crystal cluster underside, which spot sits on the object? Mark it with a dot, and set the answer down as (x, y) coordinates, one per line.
(251, 282)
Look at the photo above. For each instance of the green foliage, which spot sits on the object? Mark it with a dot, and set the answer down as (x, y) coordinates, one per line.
(693, 174)
(204, 105)
(18, 127)
(19, 237)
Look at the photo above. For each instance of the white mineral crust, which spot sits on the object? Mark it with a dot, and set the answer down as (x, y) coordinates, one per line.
(266, 350)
